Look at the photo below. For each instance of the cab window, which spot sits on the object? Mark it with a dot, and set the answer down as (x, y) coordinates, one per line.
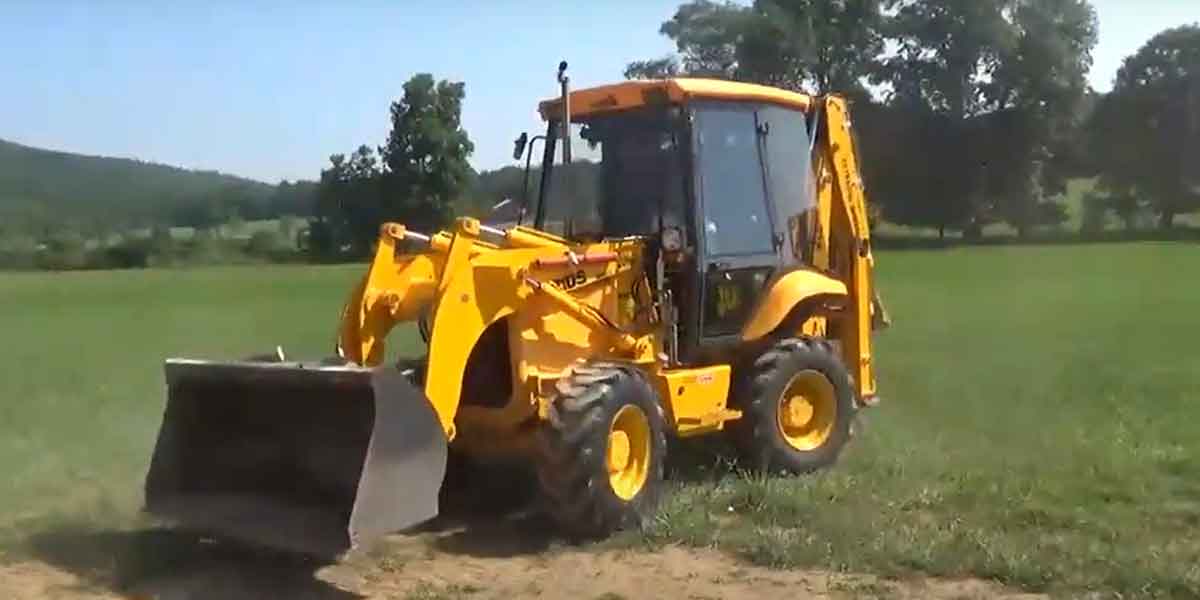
(730, 176)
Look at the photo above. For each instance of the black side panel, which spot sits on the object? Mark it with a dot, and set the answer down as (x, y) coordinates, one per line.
(730, 297)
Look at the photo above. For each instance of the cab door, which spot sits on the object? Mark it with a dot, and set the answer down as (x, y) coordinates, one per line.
(736, 234)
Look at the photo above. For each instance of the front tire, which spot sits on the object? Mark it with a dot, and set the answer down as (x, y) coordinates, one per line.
(798, 405)
(603, 448)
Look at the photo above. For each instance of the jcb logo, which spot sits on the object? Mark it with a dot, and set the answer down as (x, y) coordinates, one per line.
(571, 281)
(728, 299)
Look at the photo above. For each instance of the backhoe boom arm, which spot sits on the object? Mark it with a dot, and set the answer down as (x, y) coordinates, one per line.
(850, 240)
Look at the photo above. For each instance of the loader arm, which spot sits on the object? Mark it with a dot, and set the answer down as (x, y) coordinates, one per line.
(465, 285)
(396, 289)
(441, 283)
(392, 291)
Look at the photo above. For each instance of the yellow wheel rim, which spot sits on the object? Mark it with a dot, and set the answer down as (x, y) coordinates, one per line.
(628, 454)
(807, 410)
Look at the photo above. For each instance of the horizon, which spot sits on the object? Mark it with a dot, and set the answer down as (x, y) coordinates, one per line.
(269, 94)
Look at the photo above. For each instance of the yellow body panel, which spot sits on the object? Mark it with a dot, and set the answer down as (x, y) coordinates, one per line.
(461, 316)
(633, 94)
(549, 327)
(564, 307)
(391, 291)
(696, 399)
(562, 302)
(783, 295)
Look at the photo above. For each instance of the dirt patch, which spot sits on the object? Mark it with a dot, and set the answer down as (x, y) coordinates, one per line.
(672, 572)
(443, 566)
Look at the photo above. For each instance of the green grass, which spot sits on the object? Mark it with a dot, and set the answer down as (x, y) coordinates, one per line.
(83, 389)
(1038, 427)
(1038, 424)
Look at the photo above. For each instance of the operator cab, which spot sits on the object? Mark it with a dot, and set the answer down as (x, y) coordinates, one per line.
(716, 173)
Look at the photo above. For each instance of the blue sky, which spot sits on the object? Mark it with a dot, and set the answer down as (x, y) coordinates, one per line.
(270, 89)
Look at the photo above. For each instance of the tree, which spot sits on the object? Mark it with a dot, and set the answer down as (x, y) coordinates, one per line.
(348, 206)
(705, 33)
(814, 45)
(64, 250)
(417, 176)
(426, 153)
(827, 45)
(292, 198)
(947, 51)
(1004, 77)
(1149, 126)
(655, 68)
(979, 97)
(1041, 81)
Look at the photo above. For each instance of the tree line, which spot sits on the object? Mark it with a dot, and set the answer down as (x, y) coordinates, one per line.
(60, 210)
(970, 113)
(231, 223)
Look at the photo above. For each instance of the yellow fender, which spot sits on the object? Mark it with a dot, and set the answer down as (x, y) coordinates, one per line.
(784, 294)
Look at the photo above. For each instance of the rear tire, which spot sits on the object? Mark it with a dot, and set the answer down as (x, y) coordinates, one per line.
(797, 404)
(603, 447)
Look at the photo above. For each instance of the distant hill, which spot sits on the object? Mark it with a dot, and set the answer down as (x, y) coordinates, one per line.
(42, 189)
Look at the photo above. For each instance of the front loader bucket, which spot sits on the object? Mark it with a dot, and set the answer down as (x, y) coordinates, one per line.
(307, 458)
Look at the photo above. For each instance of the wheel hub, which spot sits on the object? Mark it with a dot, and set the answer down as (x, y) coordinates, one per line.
(628, 452)
(797, 412)
(807, 410)
(618, 451)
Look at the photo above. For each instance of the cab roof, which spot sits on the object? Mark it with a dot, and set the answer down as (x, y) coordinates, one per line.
(643, 92)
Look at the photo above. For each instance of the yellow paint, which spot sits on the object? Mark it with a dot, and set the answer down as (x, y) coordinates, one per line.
(853, 245)
(527, 237)
(591, 317)
(553, 329)
(558, 314)
(444, 279)
(391, 291)
(807, 411)
(633, 94)
(627, 455)
(696, 398)
(785, 293)
(556, 328)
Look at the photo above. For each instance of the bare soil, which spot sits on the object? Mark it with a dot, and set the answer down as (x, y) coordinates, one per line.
(453, 564)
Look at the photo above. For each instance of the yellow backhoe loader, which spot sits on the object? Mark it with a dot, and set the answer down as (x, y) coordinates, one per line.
(698, 263)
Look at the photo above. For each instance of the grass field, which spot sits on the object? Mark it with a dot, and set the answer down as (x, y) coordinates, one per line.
(1037, 426)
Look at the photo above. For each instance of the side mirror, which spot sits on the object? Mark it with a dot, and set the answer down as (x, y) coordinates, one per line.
(519, 146)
